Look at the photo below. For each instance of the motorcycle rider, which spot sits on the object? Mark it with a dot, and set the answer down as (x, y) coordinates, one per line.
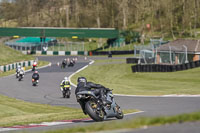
(34, 65)
(97, 89)
(17, 71)
(36, 76)
(64, 63)
(65, 82)
(21, 72)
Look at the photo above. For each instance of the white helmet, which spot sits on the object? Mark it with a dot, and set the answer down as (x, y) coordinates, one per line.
(65, 78)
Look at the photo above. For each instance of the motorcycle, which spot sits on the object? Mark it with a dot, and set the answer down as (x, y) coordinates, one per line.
(92, 106)
(71, 64)
(33, 68)
(17, 74)
(21, 75)
(35, 82)
(63, 65)
(66, 91)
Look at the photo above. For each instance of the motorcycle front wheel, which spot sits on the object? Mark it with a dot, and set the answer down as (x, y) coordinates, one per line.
(92, 110)
(120, 114)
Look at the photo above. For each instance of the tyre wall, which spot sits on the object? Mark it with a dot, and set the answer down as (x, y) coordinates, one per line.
(165, 68)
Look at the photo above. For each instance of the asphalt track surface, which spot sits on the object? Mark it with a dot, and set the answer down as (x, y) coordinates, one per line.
(48, 92)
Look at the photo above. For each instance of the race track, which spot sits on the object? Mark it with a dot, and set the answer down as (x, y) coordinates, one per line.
(48, 92)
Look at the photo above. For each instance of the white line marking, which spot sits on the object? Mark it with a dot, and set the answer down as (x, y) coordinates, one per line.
(91, 62)
(173, 95)
(135, 113)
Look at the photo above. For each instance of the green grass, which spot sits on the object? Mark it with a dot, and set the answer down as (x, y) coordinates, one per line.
(17, 112)
(40, 63)
(9, 55)
(132, 124)
(120, 78)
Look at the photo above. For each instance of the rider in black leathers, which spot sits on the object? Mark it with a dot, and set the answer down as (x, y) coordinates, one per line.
(97, 89)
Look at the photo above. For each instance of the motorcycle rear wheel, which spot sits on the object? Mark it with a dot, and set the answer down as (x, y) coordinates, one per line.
(68, 94)
(91, 109)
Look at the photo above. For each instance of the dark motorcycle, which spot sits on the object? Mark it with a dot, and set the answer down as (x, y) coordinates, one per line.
(33, 68)
(92, 106)
(63, 65)
(66, 91)
(35, 82)
(71, 64)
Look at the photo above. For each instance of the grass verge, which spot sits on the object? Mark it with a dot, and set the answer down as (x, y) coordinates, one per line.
(9, 55)
(17, 112)
(132, 124)
(117, 75)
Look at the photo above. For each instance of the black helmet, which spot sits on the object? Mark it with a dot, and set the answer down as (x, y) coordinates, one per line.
(82, 79)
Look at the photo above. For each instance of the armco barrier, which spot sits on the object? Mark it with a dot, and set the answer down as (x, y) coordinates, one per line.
(14, 65)
(61, 52)
(164, 68)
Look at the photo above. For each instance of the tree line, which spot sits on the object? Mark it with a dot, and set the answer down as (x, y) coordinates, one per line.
(168, 17)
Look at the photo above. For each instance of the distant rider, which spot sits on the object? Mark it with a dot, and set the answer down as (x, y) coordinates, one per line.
(64, 83)
(36, 76)
(34, 65)
(22, 72)
(97, 89)
(64, 63)
(18, 68)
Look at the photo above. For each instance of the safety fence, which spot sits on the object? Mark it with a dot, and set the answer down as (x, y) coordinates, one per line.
(165, 68)
(14, 65)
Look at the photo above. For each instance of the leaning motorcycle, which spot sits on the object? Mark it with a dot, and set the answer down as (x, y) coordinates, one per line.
(92, 106)
(66, 91)
(34, 82)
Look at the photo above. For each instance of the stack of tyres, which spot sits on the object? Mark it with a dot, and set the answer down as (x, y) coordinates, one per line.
(133, 68)
(138, 68)
(187, 65)
(141, 68)
(178, 67)
(183, 67)
(173, 68)
(148, 68)
(163, 68)
(197, 63)
(159, 68)
(192, 64)
(167, 68)
(144, 68)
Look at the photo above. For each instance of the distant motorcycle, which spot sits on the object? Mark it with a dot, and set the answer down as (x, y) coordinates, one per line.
(35, 82)
(71, 63)
(34, 66)
(66, 91)
(17, 73)
(63, 65)
(21, 75)
(92, 106)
